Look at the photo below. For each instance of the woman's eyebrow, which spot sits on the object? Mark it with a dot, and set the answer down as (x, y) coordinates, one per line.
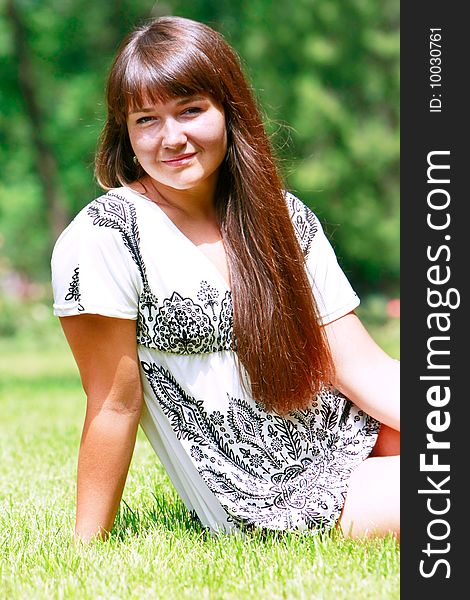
(142, 110)
(179, 102)
(188, 99)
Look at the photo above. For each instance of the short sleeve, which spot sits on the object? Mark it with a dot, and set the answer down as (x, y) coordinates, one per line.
(93, 271)
(332, 290)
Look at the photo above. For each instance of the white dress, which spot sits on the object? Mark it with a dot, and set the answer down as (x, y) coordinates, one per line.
(231, 462)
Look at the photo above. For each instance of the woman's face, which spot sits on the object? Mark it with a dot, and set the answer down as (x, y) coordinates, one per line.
(180, 143)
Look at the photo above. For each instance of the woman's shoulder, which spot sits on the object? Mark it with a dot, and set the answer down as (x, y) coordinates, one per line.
(114, 208)
(305, 222)
(116, 201)
(108, 215)
(298, 208)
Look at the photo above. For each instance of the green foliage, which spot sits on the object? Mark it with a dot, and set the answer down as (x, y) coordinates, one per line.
(327, 77)
(335, 73)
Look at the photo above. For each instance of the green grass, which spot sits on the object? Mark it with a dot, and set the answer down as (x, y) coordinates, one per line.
(155, 550)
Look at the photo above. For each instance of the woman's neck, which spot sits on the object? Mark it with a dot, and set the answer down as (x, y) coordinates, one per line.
(196, 203)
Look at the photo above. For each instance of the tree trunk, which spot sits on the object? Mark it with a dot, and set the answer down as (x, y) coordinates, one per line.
(46, 164)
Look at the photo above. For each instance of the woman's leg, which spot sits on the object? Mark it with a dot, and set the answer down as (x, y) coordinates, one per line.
(372, 506)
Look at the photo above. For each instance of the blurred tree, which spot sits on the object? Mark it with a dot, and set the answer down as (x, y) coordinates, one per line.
(326, 73)
(44, 156)
(331, 73)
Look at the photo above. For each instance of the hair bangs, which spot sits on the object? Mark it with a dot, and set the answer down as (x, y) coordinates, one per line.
(155, 75)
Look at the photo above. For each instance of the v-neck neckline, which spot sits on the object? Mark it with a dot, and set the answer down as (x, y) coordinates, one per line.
(181, 235)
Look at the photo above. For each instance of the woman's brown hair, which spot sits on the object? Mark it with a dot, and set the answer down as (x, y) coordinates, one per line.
(278, 338)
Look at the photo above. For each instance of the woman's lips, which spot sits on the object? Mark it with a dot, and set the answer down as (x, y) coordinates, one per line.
(177, 161)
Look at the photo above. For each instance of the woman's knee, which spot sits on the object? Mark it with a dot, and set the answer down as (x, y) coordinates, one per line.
(372, 505)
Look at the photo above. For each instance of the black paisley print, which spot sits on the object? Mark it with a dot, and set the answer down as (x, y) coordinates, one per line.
(266, 470)
(74, 289)
(304, 222)
(178, 325)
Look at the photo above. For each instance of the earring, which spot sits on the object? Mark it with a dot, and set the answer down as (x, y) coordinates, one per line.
(135, 160)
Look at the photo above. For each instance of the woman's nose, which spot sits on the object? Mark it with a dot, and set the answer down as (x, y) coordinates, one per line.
(173, 135)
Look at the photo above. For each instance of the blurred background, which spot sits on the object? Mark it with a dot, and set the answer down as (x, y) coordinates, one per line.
(325, 72)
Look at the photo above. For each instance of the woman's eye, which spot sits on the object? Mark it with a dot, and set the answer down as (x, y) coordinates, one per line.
(143, 120)
(192, 110)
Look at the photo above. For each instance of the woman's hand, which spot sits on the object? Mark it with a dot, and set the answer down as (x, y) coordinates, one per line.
(105, 351)
(364, 372)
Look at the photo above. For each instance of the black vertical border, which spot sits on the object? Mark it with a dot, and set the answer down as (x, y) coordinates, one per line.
(422, 132)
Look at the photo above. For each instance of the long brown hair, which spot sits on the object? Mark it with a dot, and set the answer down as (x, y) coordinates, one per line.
(279, 341)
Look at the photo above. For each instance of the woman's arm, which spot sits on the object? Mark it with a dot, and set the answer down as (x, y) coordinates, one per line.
(364, 372)
(105, 350)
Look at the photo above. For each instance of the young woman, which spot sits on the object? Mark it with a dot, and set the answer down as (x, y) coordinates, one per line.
(202, 300)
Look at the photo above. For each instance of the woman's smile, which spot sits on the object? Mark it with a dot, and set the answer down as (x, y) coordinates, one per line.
(179, 161)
